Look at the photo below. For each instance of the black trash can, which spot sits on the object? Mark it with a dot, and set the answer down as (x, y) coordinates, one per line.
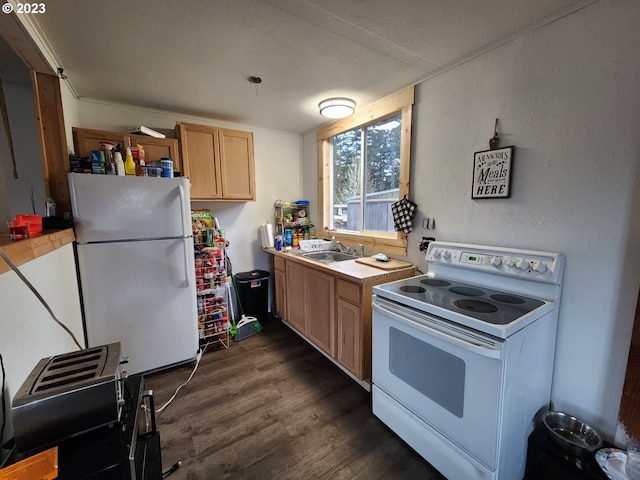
(253, 294)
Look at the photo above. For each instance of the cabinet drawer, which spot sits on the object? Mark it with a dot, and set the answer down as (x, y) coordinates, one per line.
(349, 291)
(279, 263)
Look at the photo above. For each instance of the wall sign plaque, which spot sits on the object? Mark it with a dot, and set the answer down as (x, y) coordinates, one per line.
(492, 173)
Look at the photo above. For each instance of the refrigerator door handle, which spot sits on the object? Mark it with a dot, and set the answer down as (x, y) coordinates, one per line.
(186, 233)
(186, 227)
(188, 257)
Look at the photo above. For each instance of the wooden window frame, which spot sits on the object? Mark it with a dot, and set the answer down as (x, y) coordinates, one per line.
(401, 102)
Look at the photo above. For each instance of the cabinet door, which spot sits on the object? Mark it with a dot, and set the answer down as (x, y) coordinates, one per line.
(281, 293)
(157, 148)
(295, 296)
(199, 152)
(85, 140)
(237, 165)
(319, 295)
(349, 348)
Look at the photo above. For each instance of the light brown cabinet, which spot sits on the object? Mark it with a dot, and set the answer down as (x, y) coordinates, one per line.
(310, 304)
(85, 140)
(218, 161)
(319, 301)
(330, 309)
(280, 278)
(295, 297)
(350, 324)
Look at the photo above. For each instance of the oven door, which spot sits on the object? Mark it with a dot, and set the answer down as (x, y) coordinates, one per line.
(448, 376)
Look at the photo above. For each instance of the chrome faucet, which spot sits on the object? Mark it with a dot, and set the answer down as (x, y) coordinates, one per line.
(336, 246)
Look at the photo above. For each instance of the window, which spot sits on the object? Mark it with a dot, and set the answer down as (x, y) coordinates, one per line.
(364, 168)
(365, 163)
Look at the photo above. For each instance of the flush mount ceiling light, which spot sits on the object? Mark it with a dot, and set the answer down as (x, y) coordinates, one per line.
(337, 107)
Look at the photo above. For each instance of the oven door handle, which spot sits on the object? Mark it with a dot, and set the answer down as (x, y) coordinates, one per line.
(484, 350)
(149, 414)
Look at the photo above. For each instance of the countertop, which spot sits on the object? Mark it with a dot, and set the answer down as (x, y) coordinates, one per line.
(23, 251)
(349, 269)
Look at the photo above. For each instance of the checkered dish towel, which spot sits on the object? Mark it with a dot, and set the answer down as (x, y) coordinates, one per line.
(403, 212)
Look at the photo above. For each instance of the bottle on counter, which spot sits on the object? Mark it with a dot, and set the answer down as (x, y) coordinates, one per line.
(129, 164)
(50, 207)
(288, 238)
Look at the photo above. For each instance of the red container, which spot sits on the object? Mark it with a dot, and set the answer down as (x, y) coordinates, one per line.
(35, 223)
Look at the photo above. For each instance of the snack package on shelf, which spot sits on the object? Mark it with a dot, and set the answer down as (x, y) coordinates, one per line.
(211, 271)
(205, 230)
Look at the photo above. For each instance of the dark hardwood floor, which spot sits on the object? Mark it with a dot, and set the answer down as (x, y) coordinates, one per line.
(272, 407)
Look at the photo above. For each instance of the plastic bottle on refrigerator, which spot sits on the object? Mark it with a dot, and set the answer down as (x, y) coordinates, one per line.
(109, 163)
(129, 164)
(117, 159)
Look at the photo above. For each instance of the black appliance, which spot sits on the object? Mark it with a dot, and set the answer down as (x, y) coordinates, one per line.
(102, 423)
(547, 461)
(83, 388)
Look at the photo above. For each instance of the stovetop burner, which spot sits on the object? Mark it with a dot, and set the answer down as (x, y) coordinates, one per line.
(475, 306)
(412, 289)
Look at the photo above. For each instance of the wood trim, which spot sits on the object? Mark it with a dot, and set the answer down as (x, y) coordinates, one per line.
(324, 183)
(374, 112)
(405, 151)
(53, 139)
(393, 243)
(630, 405)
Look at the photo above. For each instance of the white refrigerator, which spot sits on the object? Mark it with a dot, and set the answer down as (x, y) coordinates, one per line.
(136, 267)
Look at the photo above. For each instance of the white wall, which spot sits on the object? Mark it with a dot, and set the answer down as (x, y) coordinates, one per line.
(15, 194)
(277, 170)
(567, 96)
(28, 333)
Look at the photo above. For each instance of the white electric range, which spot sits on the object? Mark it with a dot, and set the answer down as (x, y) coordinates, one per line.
(463, 355)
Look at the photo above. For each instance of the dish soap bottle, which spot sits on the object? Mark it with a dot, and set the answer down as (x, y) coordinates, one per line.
(129, 164)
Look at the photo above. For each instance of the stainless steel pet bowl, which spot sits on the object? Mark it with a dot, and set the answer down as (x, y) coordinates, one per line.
(571, 434)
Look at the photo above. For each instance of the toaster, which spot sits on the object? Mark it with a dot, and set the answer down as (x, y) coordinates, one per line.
(67, 395)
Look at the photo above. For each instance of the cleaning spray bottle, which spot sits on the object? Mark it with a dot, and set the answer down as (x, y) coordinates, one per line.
(129, 164)
(117, 158)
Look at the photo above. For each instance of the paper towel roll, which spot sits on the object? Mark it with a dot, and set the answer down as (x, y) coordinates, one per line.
(266, 234)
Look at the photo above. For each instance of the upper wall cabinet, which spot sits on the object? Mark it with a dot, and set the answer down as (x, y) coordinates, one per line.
(219, 162)
(86, 140)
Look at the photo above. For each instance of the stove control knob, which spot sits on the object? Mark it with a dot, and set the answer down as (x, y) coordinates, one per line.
(496, 261)
(436, 253)
(539, 267)
(446, 254)
(522, 264)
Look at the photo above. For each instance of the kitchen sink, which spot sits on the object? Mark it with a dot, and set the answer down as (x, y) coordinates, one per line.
(329, 257)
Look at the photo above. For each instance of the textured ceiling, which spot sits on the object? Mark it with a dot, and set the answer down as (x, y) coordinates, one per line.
(195, 56)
